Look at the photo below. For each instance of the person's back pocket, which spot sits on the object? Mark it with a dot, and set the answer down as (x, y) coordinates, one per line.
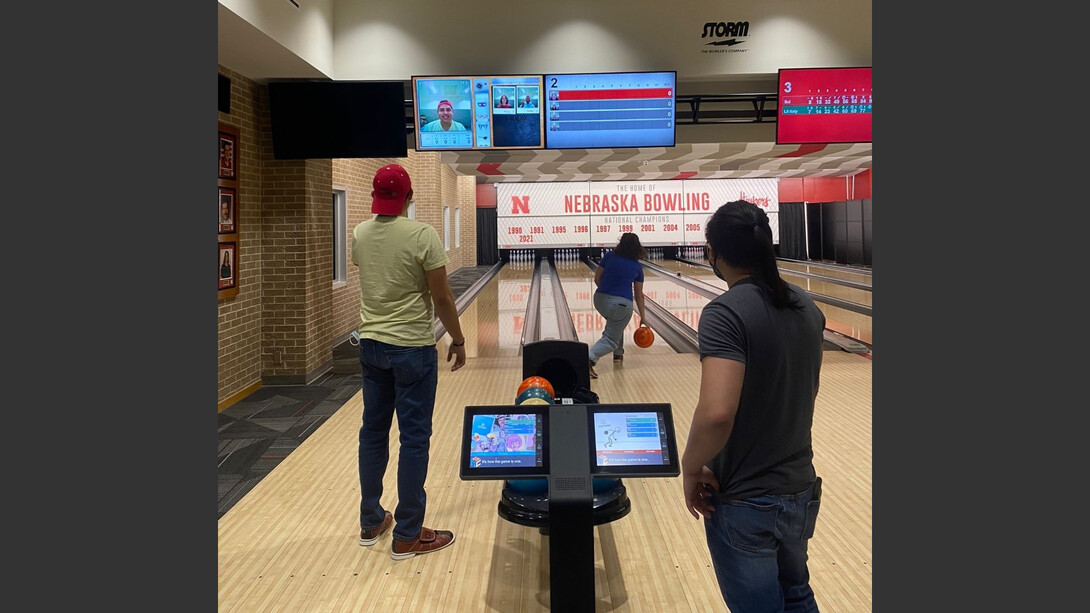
(749, 526)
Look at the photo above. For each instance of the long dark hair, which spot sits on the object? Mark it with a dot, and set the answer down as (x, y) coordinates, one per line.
(739, 233)
(630, 247)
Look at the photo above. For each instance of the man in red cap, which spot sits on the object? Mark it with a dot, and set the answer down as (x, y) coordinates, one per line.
(446, 122)
(403, 286)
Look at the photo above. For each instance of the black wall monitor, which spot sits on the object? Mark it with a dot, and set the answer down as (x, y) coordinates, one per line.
(337, 119)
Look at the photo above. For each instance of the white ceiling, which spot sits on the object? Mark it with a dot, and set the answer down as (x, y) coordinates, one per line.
(713, 151)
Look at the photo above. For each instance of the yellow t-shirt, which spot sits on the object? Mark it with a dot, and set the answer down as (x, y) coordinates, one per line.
(393, 255)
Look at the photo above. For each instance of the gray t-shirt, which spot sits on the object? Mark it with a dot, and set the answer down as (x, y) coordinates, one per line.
(769, 450)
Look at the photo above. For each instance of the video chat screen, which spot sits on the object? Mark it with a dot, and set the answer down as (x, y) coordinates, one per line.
(485, 112)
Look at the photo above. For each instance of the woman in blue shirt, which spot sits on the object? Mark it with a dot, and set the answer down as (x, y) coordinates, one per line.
(619, 279)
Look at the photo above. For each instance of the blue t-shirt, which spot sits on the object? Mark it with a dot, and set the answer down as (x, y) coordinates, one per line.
(618, 275)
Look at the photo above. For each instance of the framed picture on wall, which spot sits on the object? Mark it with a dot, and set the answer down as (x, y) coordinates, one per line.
(228, 210)
(228, 155)
(228, 265)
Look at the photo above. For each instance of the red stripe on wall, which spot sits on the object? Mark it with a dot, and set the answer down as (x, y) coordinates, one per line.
(489, 169)
(684, 175)
(802, 150)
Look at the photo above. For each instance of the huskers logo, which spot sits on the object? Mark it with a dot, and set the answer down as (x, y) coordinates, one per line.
(520, 205)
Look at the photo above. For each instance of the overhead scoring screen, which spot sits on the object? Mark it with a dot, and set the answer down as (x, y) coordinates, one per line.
(613, 109)
(824, 105)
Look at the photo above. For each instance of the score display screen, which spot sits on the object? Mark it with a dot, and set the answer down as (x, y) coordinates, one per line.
(626, 439)
(622, 109)
(824, 105)
(633, 440)
(488, 112)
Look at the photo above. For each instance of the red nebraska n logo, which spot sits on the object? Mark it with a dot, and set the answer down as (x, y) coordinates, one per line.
(520, 204)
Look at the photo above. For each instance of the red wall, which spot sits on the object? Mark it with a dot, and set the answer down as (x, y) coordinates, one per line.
(486, 196)
(826, 189)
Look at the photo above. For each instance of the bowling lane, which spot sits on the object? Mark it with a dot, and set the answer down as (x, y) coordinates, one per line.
(849, 323)
(578, 282)
(493, 321)
(826, 270)
(825, 286)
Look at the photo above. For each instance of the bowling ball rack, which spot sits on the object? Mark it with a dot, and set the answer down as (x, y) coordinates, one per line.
(526, 502)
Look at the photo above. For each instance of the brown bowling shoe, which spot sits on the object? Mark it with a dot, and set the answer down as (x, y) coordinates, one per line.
(370, 537)
(426, 542)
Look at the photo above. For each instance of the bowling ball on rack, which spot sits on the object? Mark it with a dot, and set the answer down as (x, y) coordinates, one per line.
(536, 400)
(536, 381)
(534, 392)
(643, 337)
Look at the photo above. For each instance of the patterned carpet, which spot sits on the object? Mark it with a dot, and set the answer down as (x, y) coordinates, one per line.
(258, 432)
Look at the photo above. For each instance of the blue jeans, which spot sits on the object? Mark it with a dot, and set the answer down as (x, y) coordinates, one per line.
(758, 548)
(401, 379)
(617, 312)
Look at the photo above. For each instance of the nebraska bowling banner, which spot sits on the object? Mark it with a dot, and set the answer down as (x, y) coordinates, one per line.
(595, 214)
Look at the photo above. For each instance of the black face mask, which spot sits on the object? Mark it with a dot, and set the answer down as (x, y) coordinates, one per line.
(712, 258)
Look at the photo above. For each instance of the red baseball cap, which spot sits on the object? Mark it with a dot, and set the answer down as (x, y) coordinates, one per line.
(392, 185)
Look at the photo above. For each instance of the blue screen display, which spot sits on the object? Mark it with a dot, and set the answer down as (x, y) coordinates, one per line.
(618, 109)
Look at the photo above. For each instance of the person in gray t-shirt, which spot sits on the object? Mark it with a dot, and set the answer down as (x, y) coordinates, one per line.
(748, 463)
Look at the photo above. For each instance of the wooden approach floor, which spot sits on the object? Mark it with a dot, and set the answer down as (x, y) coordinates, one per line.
(291, 543)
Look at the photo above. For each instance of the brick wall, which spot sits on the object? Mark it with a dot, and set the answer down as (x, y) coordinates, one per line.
(288, 315)
(467, 202)
(239, 317)
(297, 263)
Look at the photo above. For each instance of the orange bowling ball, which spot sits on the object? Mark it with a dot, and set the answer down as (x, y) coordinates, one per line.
(643, 336)
(536, 381)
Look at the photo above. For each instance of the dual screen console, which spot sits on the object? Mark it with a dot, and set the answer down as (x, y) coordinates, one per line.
(520, 441)
(569, 444)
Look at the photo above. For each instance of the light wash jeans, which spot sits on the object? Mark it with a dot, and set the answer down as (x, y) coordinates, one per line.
(617, 312)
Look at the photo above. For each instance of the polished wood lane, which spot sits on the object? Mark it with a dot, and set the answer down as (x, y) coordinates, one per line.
(844, 321)
(827, 270)
(291, 543)
(493, 321)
